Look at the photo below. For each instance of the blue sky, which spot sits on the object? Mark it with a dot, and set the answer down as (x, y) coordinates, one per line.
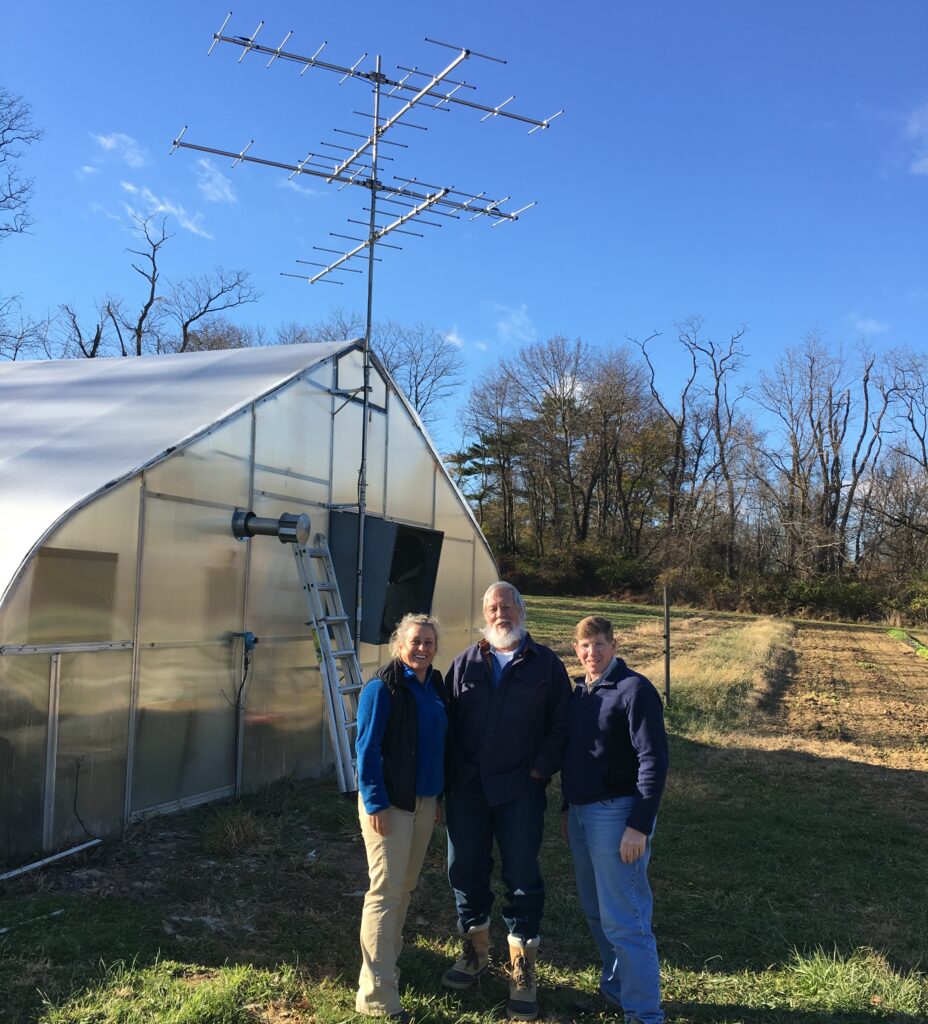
(759, 164)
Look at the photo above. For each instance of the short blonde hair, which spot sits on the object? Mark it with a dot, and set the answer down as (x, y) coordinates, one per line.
(593, 625)
(406, 623)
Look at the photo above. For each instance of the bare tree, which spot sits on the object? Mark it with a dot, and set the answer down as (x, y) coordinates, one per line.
(77, 342)
(17, 130)
(221, 333)
(204, 296)
(423, 361)
(172, 322)
(831, 423)
(143, 331)
(425, 364)
(339, 325)
(21, 336)
(721, 361)
(678, 422)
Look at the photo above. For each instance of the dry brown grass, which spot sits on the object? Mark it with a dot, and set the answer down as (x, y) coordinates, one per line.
(728, 657)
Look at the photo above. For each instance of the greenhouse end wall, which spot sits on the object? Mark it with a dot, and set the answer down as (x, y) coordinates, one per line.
(122, 657)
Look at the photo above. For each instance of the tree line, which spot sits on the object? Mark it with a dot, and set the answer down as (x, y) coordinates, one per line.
(800, 488)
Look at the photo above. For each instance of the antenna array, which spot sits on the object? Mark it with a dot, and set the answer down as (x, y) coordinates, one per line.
(406, 200)
(412, 88)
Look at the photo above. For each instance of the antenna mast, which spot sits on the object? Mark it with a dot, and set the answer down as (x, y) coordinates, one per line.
(408, 200)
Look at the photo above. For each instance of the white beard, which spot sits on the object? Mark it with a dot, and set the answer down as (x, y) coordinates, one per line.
(503, 638)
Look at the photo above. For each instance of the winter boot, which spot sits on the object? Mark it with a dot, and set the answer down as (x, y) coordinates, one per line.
(474, 959)
(523, 997)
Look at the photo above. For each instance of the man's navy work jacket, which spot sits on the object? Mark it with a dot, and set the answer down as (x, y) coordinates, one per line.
(618, 744)
(502, 732)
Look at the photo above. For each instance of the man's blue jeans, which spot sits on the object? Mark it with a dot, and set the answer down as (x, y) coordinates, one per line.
(616, 899)
(517, 828)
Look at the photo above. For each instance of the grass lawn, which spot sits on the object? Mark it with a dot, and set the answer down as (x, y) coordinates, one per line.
(791, 881)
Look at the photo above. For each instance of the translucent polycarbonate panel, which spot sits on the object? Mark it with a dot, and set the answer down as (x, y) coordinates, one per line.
(347, 456)
(23, 737)
(453, 599)
(283, 715)
(193, 573)
(376, 462)
(185, 723)
(214, 468)
(486, 572)
(93, 728)
(293, 433)
(80, 585)
(276, 603)
(347, 460)
(410, 469)
(351, 378)
(451, 514)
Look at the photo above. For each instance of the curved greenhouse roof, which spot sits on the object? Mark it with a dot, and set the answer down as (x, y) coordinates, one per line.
(71, 429)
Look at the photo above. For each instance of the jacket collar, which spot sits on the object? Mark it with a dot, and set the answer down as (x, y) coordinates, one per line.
(615, 675)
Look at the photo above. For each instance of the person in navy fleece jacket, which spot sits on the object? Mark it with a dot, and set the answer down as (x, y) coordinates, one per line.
(613, 776)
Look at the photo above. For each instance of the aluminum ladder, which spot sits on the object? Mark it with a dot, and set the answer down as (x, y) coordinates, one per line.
(338, 660)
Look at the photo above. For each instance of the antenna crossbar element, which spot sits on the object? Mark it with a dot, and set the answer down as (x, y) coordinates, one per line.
(487, 208)
(381, 232)
(382, 129)
(451, 98)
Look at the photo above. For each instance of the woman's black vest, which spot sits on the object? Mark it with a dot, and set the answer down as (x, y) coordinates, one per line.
(398, 747)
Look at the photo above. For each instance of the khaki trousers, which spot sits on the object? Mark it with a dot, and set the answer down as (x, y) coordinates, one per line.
(393, 863)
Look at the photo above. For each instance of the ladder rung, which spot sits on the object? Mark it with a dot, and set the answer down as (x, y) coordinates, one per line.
(351, 725)
(328, 619)
(349, 688)
(346, 652)
(317, 552)
(325, 586)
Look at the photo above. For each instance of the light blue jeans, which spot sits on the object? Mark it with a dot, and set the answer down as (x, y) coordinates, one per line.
(616, 899)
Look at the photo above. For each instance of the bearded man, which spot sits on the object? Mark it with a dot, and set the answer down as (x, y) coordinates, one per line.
(507, 706)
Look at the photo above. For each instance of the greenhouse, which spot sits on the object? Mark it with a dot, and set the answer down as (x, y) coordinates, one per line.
(125, 597)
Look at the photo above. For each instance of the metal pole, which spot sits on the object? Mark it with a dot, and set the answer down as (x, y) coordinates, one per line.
(362, 474)
(48, 860)
(666, 648)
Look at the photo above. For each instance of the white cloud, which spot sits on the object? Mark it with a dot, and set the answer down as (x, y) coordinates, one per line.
(916, 131)
(482, 346)
(867, 325)
(292, 185)
(454, 338)
(214, 186)
(99, 208)
(124, 147)
(86, 170)
(154, 205)
(515, 325)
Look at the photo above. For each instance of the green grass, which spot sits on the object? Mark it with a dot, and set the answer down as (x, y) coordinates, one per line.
(900, 634)
(789, 889)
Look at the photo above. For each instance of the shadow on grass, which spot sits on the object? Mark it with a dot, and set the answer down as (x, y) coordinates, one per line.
(708, 1013)
(758, 853)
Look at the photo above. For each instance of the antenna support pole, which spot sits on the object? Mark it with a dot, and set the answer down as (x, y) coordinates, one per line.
(365, 406)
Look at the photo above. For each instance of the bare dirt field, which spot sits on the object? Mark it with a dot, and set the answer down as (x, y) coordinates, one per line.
(853, 693)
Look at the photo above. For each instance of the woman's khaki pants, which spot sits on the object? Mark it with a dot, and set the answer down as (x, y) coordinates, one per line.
(393, 862)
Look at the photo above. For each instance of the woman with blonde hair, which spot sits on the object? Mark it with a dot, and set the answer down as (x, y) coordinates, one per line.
(402, 723)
